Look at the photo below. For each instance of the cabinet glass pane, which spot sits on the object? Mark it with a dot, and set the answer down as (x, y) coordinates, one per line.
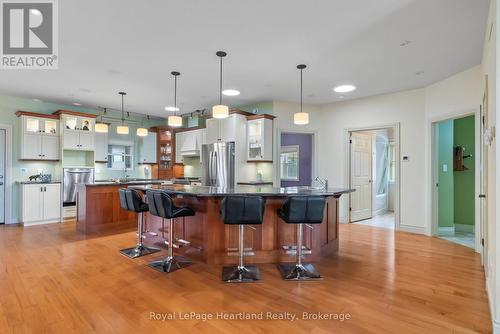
(32, 125)
(86, 125)
(165, 156)
(70, 123)
(51, 126)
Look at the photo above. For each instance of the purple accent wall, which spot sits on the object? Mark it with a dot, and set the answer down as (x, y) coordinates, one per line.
(305, 157)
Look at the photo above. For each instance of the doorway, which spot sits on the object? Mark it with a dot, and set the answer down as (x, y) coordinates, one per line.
(296, 158)
(373, 173)
(3, 156)
(455, 179)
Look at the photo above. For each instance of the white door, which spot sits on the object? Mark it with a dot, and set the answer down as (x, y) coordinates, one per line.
(50, 147)
(32, 146)
(71, 140)
(51, 201)
(361, 176)
(32, 202)
(2, 176)
(86, 141)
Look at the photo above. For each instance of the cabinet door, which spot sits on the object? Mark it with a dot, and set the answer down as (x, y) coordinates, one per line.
(51, 201)
(71, 140)
(86, 141)
(101, 147)
(228, 129)
(147, 148)
(50, 147)
(32, 202)
(32, 124)
(179, 142)
(32, 146)
(213, 126)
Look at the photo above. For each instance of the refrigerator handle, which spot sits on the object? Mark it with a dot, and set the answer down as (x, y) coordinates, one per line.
(215, 169)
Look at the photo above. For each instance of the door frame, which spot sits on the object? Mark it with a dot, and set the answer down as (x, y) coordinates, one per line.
(397, 179)
(276, 154)
(8, 173)
(433, 170)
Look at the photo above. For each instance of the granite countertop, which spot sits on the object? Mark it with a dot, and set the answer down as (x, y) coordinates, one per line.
(38, 182)
(266, 191)
(124, 182)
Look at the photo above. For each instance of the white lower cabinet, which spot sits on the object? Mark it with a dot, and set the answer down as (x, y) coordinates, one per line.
(40, 203)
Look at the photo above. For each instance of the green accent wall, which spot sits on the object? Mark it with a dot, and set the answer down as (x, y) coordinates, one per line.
(464, 181)
(445, 178)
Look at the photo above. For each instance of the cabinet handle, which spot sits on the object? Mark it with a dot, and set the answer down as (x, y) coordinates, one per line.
(41, 189)
(45, 189)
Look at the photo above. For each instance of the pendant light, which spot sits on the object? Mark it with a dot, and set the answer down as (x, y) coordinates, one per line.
(142, 131)
(174, 120)
(101, 126)
(220, 110)
(122, 129)
(301, 118)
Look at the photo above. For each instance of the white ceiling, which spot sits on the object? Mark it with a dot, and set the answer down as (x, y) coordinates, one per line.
(112, 45)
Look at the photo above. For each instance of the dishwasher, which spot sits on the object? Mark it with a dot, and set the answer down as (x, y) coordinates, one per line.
(72, 177)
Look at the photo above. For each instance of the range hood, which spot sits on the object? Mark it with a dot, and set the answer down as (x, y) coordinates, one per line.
(190, 147)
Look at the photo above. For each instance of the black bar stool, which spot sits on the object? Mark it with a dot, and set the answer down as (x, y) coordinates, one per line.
(131, 200)
(301, 210)
(242, 210)
(162, 205)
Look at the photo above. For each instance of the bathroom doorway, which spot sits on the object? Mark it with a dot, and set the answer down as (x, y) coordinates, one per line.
(373, 172)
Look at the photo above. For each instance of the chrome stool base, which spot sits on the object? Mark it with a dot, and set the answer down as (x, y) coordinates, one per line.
(237, 274)
(138, 251)
(299, 272)
(170, 264)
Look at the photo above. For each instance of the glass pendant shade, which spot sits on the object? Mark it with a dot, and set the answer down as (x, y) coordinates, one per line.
(174, 121)
(122, 130)
(301, 118)
(220, 111)
(142, 132)
(101, 127)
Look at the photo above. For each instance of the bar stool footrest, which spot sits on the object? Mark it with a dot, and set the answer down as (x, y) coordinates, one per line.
(295, 272)
(138, 251)
(235, 274)
(238, 254)
(167, 265)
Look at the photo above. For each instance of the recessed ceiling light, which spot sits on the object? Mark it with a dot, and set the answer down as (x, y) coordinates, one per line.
(77, 104)
(404, 43)
(171, 109)
(231, 92)
(344, 88)
(37, 100)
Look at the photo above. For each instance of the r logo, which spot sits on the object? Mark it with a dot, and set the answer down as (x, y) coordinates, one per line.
(27, 28)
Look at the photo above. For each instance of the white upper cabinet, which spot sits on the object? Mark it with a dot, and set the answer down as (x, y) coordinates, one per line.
(101, 147)
(147, 148)
(260, 139)
(39, 137)
(78, 132)
(226, 129)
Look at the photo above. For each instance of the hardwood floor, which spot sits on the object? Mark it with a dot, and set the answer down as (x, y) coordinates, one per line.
(53, 280)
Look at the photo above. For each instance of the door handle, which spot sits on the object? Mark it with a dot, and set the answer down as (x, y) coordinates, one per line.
(1, 183)
(482, 195)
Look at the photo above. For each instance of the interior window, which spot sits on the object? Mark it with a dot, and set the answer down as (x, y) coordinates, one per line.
(289, 163)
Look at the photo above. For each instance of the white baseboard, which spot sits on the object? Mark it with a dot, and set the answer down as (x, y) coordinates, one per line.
(464, 228)
(412, 229)
(43, 222)
(495, 324)
(449, 230)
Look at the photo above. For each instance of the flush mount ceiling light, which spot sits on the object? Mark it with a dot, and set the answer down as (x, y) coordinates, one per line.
(344, 89)
(230, 92)
(101, 126)
(171, 109)
(77, 104)
(122, 129)
(174, 120)
(301, 118)
(220, 110)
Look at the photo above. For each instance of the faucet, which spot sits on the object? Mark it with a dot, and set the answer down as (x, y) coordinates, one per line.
(323, 182)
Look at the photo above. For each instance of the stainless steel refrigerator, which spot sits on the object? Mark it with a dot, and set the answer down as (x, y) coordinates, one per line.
(72, 177)
(218, 165)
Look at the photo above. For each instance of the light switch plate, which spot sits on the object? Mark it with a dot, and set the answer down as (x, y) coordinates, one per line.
(445, 167)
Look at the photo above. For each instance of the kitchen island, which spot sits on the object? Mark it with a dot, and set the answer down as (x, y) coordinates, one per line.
(98, 208)
(211, 240)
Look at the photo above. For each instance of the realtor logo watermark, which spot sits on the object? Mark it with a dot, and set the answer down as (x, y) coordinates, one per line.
(29, 32)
